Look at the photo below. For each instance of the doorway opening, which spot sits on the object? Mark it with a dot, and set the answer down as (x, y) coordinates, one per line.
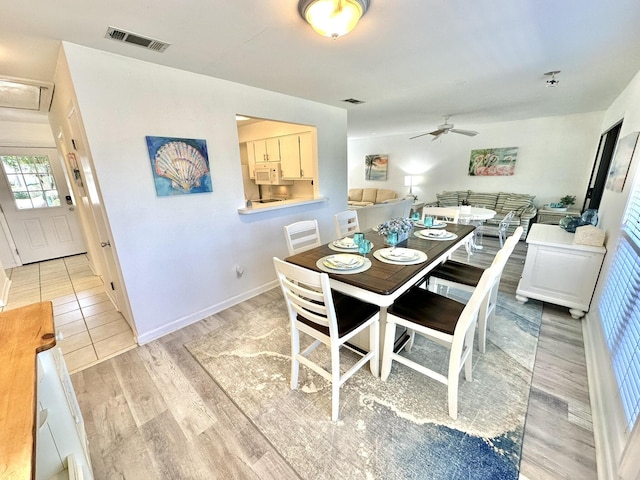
(608, 142)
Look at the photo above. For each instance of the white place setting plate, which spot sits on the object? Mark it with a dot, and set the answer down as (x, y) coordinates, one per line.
(400, 256)
(343, 263)
(345, 244)
(441, 235)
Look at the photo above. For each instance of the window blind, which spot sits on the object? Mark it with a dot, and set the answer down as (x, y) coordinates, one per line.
(620, 310)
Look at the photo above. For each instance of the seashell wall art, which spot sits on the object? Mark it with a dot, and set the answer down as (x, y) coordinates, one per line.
(179, 165)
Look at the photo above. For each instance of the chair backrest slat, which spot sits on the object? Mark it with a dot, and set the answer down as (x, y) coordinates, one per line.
(308, 294)
(302, 236)
(346, 223)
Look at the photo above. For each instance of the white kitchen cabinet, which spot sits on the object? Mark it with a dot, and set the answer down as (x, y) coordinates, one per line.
(307, 170)
(290, 156)
(266, 150)
(296, 154)
(251, 158)
(558, 271)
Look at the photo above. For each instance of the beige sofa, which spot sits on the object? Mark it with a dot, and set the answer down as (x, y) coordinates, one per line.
(501, 202)
(361, 197)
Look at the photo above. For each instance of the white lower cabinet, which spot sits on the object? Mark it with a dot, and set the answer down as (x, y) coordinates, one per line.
(62, 450)
(558, 271)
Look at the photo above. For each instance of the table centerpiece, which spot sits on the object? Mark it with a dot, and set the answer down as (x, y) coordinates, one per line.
(395, 230)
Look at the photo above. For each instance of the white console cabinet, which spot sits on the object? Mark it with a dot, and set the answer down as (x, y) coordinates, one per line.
(558, 271)
(61, 442)
(42, 434)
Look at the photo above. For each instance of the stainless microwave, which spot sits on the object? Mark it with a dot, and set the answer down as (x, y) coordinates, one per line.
(270, 174)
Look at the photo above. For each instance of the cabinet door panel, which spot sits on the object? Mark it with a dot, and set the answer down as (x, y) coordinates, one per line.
(290, 156)
(260, 148)
(272, 148)
(306, 156)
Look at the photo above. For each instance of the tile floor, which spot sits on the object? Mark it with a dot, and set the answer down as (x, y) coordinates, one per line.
(91, 327)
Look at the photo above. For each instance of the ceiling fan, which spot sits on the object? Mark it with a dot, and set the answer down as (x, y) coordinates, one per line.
(446, 128)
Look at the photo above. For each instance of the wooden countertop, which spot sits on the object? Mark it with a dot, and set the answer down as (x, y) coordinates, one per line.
(23, 333)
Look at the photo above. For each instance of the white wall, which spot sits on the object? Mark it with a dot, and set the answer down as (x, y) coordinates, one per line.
(555, 157)
(609, 421)
(178, 254)
(33, 131)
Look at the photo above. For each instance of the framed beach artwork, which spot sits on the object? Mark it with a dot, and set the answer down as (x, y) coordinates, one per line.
(621, 162)
(180, 165)
(376, 167)
(493, 161)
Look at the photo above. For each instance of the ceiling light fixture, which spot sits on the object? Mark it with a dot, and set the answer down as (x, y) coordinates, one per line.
(552, 82)
(333, 18)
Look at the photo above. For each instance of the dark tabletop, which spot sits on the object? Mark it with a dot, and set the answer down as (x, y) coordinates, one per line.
(384, 278)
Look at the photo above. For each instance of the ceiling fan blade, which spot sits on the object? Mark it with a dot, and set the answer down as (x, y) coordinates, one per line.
(469, 133)
(437, 136)
(421, 135)
(438, 132)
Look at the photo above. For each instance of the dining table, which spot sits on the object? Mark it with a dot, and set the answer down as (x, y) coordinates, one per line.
(468, 214)
(383, 281)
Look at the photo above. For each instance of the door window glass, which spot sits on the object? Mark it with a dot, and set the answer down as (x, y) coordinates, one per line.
(31, 181)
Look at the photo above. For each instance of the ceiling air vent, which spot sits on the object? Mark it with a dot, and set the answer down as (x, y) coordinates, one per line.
(135, 39)
(353, 100)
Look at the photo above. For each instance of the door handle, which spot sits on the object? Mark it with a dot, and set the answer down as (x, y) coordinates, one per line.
(105, 244)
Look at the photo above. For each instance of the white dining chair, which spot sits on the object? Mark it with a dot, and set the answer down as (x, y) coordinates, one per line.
(444, 321)
(452, 274)
(302, 236)
(346, 223)
(504, 225)
(330, 318)
(448, 215)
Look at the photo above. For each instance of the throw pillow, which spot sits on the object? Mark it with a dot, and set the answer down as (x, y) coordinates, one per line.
(384, 195)
(369, 195)
(517, 202)
(502, 197)
(486, 200)
(355, 194)
(447, 199)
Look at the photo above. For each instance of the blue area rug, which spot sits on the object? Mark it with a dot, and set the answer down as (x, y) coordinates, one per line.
(398, 429)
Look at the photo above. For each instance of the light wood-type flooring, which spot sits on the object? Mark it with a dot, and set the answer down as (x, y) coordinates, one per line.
(153, 412)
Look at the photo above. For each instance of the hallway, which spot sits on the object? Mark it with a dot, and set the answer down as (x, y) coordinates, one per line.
(91, 327)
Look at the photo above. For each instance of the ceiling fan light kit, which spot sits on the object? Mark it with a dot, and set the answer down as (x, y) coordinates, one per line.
(333, 18)
(446, 128)
(552, 82)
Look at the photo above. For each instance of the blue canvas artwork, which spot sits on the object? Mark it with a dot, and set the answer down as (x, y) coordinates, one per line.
(179, 165)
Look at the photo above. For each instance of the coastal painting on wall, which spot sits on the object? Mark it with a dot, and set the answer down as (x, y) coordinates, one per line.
(621, 162)
(179, 165)
(493, 161)
(376, 167)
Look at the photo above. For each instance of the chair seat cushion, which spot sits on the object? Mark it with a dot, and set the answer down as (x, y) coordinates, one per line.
(350, 313)
(458, 272)
(428, 309)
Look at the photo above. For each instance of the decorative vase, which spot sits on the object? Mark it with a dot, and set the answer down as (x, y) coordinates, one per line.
(399, 238)
(570, 223)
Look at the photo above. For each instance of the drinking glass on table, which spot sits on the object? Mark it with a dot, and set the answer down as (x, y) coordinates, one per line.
(364, 247)
(358, 237)
(392, 239)
(428, 221)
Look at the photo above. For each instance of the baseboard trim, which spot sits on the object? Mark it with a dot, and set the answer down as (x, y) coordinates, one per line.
(202, 314)
(605, 456)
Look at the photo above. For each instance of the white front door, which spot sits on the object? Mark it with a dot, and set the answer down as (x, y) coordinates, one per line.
(35, 200)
